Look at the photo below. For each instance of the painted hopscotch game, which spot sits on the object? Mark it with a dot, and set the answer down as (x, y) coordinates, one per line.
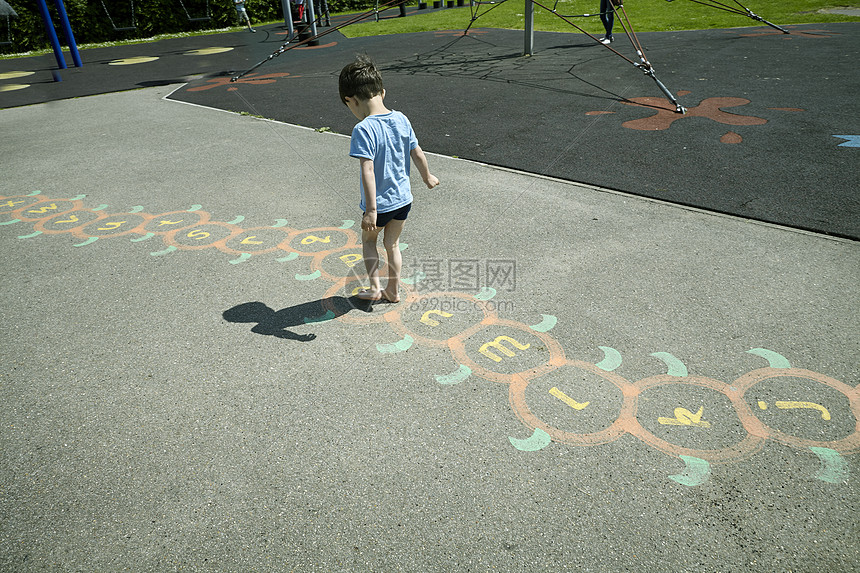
(549, 392)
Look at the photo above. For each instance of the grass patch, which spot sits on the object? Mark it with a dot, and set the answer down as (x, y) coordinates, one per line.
(645, 15)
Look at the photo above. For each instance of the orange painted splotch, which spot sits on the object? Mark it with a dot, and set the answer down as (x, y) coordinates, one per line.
(710, 108)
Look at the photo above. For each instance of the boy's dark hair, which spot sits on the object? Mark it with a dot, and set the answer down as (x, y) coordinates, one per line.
(360, 79)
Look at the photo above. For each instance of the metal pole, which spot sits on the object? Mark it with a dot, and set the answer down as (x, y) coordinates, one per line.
(528, 49)
(67, 31)
(52, 34)
(313, 21)
(288, 16)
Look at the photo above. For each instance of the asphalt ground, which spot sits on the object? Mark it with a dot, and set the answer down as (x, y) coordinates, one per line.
(590, 380)
(760, 139)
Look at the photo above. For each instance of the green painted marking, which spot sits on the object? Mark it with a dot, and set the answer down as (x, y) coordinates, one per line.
(455, 377)
(833, 469)
(10, 222)
(242, 258)
(101, 207)
(143, 238)
(545, 325)
(415, 278)
(347, 223)
(80, 197)
(403, 246)
(289, 257)
(166, 251)
(194, 208)
(310, 277)
(136, 209)
(696, 472)
(327, 316)
(537, 441)
(775, 359)
(237, 220)
(675, 366)
(34, 193)
(89, 241)
(486, 293)
(31, 235)
(280, 223)
(394, 347)
(611, 359)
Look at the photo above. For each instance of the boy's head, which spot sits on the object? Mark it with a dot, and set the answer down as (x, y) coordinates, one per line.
(360, 79)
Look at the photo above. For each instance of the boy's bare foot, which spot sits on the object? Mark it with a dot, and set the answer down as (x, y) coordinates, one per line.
(370, 295)
(391, 297)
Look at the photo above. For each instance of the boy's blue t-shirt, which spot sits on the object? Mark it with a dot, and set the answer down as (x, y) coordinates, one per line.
(387, 139)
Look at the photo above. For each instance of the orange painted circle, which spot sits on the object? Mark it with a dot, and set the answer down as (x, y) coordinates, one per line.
(14, 203)
(457, 345)
(618, 428)
(114, 225)
(846, 445)
(46, 208)
(364, 313)
(202, 236)
(323, 263)
(172, 221)
(398, 323)
(256, 240)
(69, 222)
(743, 449)
(311, 242)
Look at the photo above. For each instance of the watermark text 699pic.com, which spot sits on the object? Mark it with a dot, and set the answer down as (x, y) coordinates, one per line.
(461, 275)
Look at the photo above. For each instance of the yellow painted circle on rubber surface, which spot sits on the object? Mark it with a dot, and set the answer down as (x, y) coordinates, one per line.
(12, 75)
(132, 61)
(13, 87)
(207, 51)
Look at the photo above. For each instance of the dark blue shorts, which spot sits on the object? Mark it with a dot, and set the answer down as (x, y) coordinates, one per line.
(383, 219)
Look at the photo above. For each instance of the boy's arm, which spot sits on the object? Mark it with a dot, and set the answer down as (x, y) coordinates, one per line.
(368, 181)
(420, 161)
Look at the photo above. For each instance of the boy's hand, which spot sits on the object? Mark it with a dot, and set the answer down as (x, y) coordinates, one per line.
(368, 222)
(431, 181)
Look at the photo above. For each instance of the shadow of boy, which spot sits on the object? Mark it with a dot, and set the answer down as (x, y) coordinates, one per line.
(276, 323)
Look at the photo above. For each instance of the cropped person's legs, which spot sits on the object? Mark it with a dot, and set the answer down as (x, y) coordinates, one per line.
(371, 263)
(607, 16)
(391, 241)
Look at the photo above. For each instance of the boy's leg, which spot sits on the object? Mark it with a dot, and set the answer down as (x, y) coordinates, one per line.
(391, 240)
(371, 263)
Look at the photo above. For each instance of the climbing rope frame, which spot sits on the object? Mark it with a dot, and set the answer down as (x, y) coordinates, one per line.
(739, 9)
(643, 64)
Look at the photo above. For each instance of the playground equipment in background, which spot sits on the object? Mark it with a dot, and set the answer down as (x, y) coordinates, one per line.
(130, 28)
(618, 12)
(740, 10)
(52, 35)
(191, 18)
(314, 37)
(7, 13)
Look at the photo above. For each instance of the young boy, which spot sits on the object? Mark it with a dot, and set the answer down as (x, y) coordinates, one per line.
(383, 142)
(242, 13)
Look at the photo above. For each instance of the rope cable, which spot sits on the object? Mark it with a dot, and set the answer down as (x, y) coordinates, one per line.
(744, 11)
(644, 65)
(631, 34)
(555, 11)
(474, 9)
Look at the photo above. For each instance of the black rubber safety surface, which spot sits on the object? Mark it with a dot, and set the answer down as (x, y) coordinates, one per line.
(770, 131)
